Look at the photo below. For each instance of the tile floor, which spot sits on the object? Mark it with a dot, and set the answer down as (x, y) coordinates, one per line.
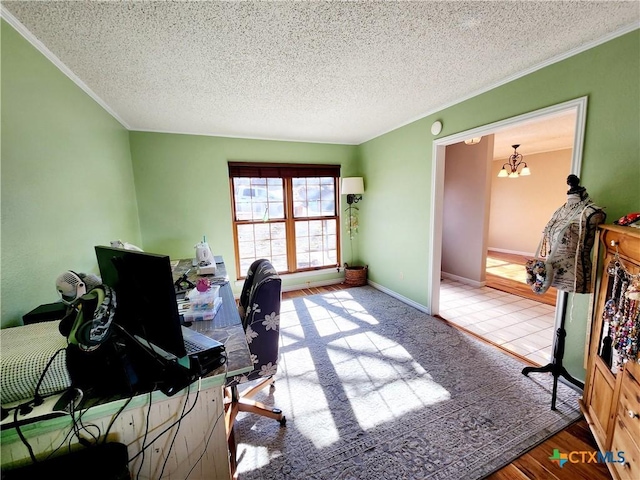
(523, 326)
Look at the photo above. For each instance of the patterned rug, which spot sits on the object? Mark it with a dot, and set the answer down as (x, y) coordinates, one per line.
(374, 389)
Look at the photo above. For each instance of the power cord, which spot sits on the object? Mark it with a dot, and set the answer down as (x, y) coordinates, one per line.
(75, 431)
(170, 426)
(115, 417)
(69, 433)
(146, 432)
(175, 434)
(22, 437)
(178, 422)
(222, 413)
(206, 444)
(78, 426)
(182, 416)
(37, 398)
(26, 407)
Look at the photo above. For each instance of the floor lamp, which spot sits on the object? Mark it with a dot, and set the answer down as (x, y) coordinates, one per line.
(353, 188)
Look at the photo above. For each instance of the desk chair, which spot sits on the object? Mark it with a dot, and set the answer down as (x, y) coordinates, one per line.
(259, 309)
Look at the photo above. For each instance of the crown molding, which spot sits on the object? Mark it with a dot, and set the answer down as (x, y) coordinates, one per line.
(31, 38)
(243, 137)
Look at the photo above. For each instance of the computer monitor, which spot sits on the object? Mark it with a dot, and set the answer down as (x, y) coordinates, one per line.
(145, 294)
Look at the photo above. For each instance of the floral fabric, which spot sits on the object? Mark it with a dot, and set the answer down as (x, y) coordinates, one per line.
(260, 312)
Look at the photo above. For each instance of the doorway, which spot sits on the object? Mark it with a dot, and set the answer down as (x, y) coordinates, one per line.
(523, 128)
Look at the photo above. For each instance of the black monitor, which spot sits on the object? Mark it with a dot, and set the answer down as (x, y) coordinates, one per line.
(145, 294)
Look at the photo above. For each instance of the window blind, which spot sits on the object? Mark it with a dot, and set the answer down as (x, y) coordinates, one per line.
(280, 170)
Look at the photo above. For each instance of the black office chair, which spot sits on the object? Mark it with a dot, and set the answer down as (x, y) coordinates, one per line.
(259, 309)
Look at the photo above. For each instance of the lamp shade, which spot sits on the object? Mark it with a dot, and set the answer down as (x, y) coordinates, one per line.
(352, 186)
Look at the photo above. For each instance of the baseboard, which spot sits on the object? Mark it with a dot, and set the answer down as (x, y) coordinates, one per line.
(319, 283)
(511, 252)
(403, 299)
(466, 281)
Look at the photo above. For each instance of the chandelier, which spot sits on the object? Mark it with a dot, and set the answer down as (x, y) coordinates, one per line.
(510, 169)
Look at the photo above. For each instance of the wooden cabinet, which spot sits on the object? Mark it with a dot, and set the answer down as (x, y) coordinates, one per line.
(611, 402)
(626, 428)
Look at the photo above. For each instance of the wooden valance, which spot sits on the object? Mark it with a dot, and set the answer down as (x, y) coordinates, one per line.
(281, 170)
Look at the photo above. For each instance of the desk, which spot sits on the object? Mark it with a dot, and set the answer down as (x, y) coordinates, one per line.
(200, 438)
(235, 343)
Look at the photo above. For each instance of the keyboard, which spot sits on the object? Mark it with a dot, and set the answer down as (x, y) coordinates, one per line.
(192, 347)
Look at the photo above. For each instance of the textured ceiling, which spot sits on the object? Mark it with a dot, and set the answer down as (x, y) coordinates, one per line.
(340, 72)
(555, 132)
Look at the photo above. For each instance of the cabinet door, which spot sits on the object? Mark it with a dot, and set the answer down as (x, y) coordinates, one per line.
(600, 405)
(626, 430)
(621, 263)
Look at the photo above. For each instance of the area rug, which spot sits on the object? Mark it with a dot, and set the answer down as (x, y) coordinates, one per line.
(373, 388)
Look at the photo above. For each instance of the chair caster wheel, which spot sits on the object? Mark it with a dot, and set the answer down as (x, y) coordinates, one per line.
(283, 422)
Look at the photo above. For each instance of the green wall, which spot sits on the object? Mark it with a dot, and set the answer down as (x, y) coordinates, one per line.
(182, 184)
(67, 181)
(394, 213)
(73, 177)
(394, 232)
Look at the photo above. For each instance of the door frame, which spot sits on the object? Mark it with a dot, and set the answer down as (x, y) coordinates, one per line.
(578, 105)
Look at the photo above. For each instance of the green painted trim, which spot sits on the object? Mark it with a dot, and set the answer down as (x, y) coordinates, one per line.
(102, 410)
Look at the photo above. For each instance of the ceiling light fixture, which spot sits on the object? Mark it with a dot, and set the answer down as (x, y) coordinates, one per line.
(514, 162)
(473, 141)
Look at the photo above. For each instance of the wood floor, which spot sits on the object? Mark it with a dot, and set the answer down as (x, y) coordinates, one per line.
(535, 464)
(506, 272)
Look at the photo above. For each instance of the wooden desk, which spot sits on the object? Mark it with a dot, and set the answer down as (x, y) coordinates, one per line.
(238, 356)
(200, 438)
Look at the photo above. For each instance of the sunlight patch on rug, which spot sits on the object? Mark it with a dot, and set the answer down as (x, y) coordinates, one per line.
(381, 385)
(388, 391)
(319, 427)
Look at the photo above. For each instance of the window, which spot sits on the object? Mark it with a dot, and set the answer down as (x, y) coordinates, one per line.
(287, 214)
